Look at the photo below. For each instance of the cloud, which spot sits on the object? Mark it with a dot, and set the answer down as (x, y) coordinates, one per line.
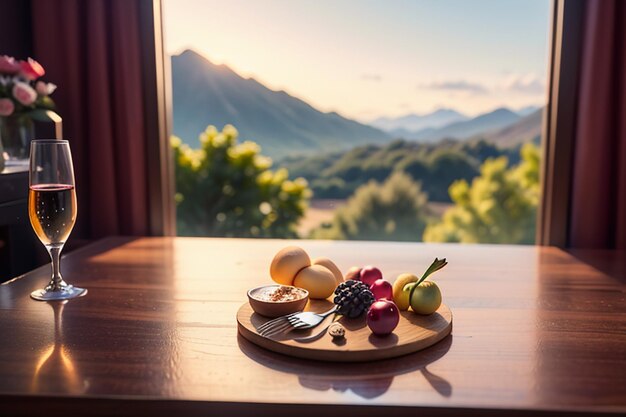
(524, 83)
(456, 86)
(372, 77)
(528, 83)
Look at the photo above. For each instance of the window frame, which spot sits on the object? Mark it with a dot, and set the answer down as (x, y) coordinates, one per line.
(157, 121)
(558, 126)
(559, 123)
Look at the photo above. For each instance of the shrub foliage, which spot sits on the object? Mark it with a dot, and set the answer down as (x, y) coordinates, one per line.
(227, 188)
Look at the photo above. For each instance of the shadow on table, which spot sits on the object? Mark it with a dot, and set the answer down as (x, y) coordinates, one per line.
(609, 262)
(367, 380)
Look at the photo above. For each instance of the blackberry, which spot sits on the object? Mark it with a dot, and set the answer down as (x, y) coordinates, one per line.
(353, 298)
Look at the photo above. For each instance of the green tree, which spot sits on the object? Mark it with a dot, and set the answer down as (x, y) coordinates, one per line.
(226, 188)
(329, 188)
(393, 210)
(499, 207)
(445, 167)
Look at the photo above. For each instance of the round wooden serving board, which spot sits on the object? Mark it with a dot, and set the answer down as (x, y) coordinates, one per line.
(414, 332)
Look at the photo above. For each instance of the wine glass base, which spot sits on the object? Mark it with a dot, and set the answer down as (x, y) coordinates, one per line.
(64, 294)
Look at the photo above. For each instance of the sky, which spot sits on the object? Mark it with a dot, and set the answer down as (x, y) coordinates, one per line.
(366, 59)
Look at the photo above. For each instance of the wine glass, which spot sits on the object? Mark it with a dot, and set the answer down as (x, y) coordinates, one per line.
(52, 209)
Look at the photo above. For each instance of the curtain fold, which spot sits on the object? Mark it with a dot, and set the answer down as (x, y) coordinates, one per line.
(92, 51)
(598, 207)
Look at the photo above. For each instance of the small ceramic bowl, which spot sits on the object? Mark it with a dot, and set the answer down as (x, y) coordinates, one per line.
(275, 308)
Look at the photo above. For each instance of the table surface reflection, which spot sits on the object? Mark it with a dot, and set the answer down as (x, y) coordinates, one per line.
(536, 331)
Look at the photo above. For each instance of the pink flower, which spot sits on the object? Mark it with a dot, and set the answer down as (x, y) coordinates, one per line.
(45, 89)
(6, 106)
(31, 69)
(24, 93)
(8, 65)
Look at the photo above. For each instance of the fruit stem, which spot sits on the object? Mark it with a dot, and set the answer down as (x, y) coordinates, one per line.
(434, 267)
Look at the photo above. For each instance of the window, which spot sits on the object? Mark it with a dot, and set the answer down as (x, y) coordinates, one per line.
(358, 120)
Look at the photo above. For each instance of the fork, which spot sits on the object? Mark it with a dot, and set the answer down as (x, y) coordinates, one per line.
(275, 322)
(295, 321)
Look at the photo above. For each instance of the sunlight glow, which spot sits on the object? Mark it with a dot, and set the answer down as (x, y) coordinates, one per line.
(366, 59)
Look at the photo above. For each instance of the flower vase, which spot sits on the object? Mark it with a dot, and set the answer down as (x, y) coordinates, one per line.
(16, 132)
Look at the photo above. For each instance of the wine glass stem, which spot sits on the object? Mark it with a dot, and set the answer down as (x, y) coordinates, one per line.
(56, 283)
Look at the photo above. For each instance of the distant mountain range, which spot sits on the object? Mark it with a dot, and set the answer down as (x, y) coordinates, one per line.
(526, 129)
(205, 93)
(528, 110)
(448, 123)
(465, 129)
(414, 122)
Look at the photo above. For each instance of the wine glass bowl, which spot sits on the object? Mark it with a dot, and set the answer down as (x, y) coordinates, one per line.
(52, 209)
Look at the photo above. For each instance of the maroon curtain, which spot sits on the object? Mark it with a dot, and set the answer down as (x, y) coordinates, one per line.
(598, 210)
(91, 50)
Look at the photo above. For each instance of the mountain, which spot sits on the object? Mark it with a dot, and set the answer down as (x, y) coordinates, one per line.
(526, 129)
(414, 122)
(486, 122)
(525, 111)
(205, 93)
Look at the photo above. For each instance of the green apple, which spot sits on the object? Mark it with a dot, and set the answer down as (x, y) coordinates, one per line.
(401, 297)
(425, 297)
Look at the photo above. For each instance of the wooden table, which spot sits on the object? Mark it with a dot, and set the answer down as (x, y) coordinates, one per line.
(536, 331)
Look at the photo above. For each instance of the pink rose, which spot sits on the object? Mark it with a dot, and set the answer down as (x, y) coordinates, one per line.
(45, 89)
(8, 65)
(24, 93)
(6, 107)
(31, 69)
